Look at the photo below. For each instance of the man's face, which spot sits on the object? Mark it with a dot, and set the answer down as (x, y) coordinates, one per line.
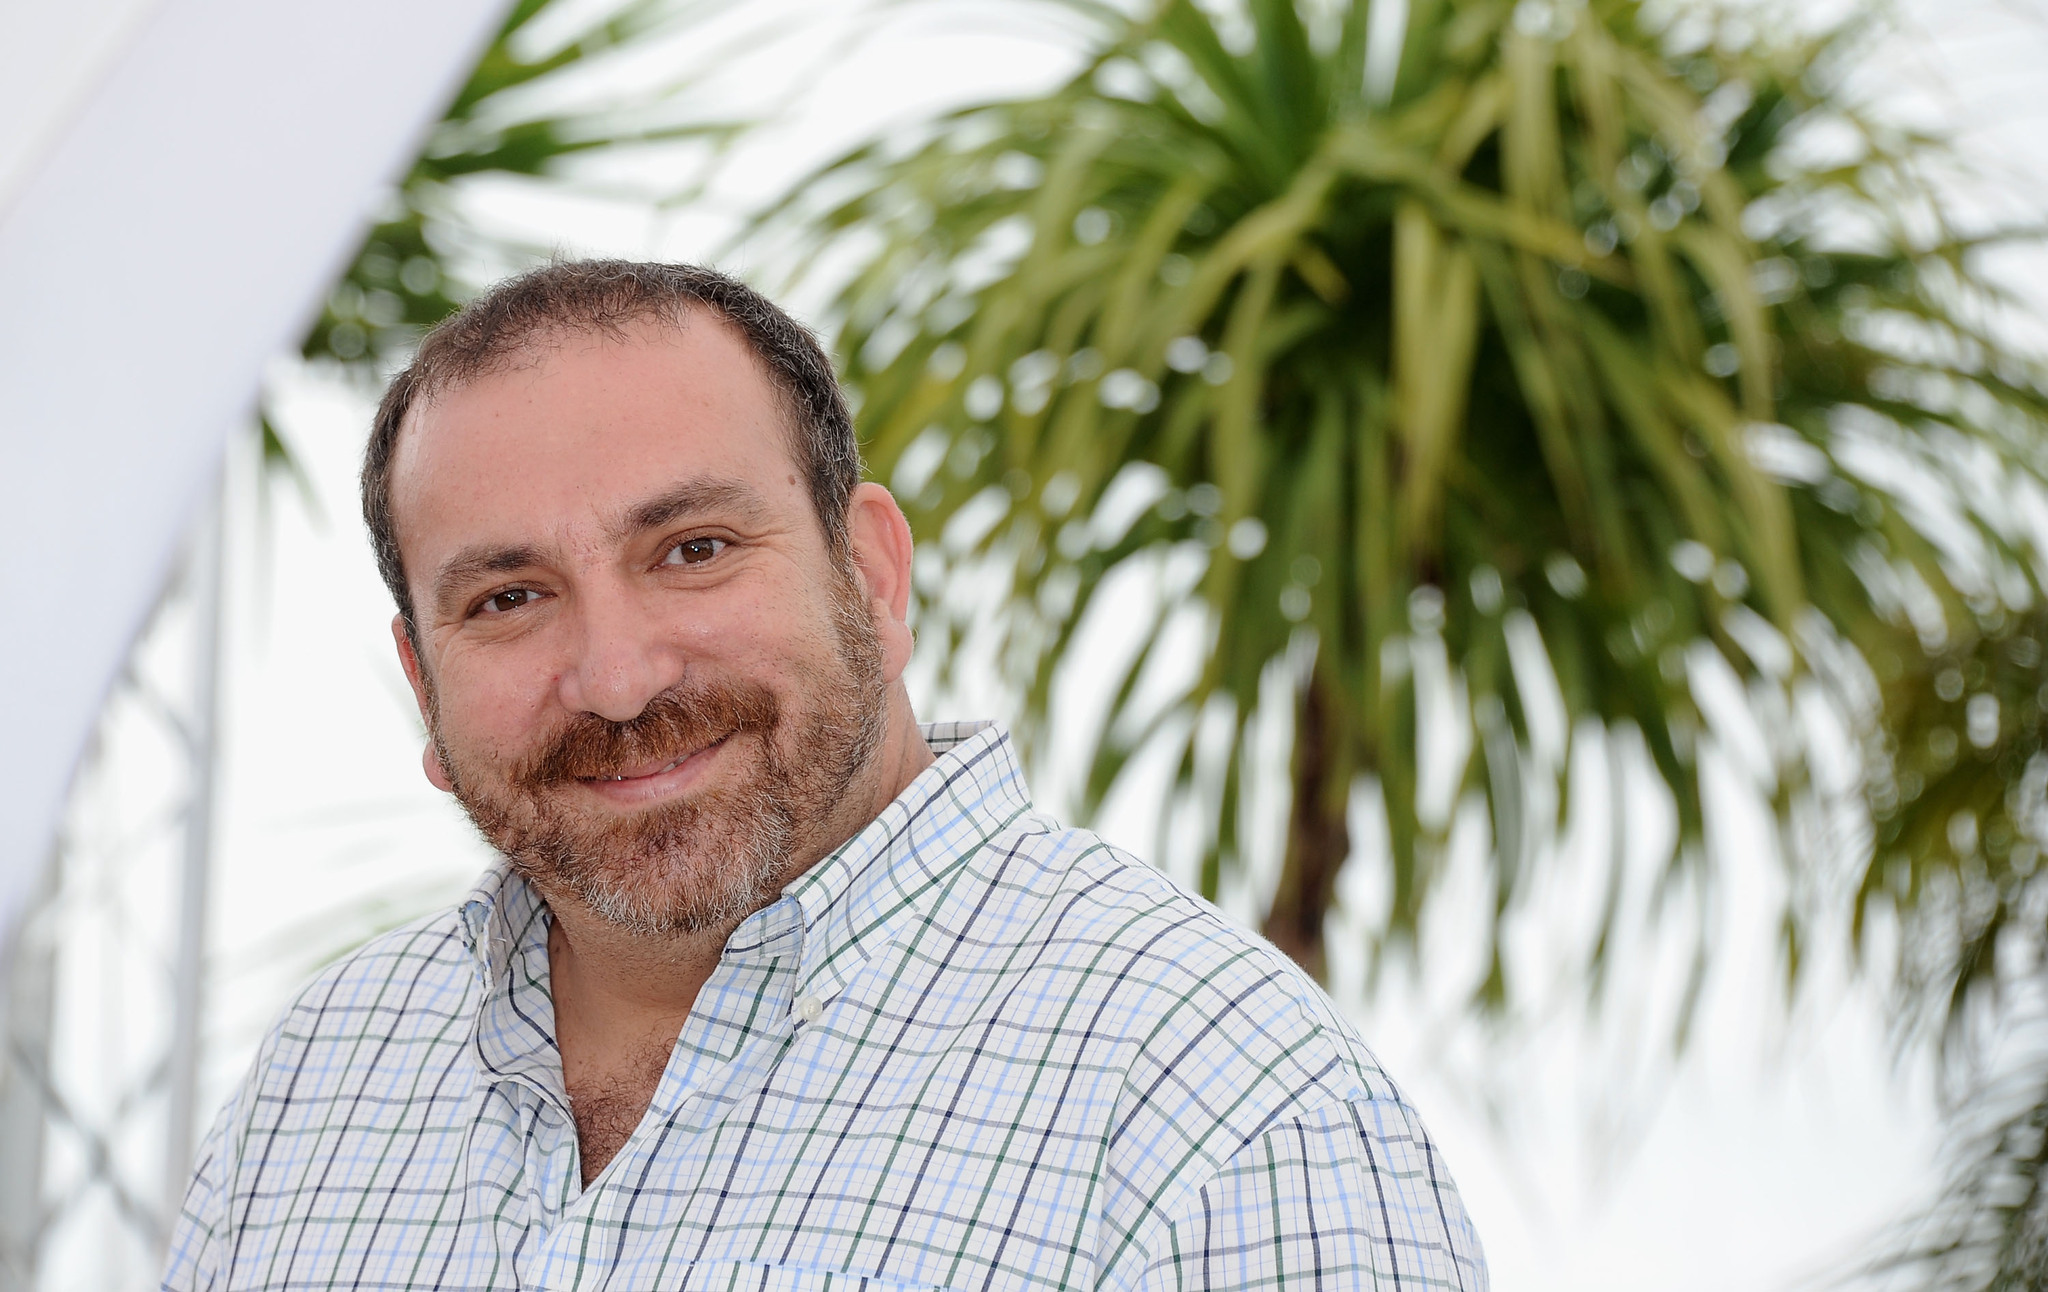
(645, 677)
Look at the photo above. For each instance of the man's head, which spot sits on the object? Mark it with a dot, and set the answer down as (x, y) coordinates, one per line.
(508, 325)
(653, 620)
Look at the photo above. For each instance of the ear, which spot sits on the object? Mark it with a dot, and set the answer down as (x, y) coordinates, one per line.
(880, 538)
(409, 660)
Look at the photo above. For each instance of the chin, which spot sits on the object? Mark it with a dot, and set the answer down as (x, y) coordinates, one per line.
(676, 869)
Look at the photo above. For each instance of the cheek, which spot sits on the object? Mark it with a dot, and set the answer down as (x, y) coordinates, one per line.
(491, 706)
(764, 627)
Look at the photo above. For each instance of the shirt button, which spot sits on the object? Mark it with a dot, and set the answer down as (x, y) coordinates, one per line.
(808, 1008)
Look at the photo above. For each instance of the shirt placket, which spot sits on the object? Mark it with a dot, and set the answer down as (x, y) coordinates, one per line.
(521, 1091)
(745, 1003)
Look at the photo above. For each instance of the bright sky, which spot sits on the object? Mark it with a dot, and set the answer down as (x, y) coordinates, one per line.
(1768, 1154)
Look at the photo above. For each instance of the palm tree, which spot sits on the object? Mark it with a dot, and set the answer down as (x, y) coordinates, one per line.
(1548, 357)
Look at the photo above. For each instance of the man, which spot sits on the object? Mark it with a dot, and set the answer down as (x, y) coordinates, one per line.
(774, 989)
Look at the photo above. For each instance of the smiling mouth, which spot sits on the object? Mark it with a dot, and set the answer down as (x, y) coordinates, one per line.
(648, 771)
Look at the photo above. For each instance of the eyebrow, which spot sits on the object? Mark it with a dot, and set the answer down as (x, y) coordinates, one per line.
(737, 499)
(472, 564)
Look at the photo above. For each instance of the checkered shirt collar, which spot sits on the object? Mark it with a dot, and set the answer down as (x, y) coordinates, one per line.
(843, 909)
(852, 902)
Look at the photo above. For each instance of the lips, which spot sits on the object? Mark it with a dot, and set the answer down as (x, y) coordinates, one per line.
(652, 768)
(679, 734)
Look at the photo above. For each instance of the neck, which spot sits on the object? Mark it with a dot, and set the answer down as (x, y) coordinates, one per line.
(605, 976)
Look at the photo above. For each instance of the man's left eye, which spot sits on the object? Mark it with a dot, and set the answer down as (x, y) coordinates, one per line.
(499, 603)
(694, 551)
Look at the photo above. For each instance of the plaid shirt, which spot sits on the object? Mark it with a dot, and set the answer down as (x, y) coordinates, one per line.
(971, 1049)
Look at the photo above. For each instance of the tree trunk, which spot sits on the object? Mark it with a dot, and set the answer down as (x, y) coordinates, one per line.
(1318, 833)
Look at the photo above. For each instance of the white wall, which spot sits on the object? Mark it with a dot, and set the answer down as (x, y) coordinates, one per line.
(187, 178)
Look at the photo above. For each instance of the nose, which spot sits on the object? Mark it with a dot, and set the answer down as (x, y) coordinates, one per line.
(621, 659)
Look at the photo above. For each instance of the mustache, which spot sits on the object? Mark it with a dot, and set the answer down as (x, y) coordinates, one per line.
(678, 722)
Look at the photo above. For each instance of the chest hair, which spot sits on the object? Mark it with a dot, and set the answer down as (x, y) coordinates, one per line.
(609, 1101)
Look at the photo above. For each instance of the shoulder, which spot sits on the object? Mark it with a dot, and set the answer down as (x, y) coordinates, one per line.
(403, 977)
(410, 987)
(372, 1051)
(1222, 1025)
(1238, 1073)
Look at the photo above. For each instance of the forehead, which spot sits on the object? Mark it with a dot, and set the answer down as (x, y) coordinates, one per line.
(585, 423)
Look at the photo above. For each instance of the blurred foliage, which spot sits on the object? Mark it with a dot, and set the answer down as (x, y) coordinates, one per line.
(409, 273)
(1989, 1230)
(1586, 352)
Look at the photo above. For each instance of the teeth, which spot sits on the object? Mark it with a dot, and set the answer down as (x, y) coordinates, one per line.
(658, 771)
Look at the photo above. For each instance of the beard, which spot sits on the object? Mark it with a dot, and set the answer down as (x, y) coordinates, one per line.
(708, 860)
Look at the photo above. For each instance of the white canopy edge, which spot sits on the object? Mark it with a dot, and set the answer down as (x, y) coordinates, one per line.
(175, 233)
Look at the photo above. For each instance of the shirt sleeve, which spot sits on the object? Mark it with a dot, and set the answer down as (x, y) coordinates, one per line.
(1352, 1195)
(193, 1264)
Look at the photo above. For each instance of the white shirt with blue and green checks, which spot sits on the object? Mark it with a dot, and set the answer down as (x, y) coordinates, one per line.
(970, 1050)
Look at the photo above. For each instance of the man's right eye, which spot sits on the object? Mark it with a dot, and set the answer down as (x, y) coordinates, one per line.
(510, 599)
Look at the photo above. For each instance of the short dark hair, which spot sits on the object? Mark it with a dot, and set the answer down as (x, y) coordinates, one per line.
(604, 297)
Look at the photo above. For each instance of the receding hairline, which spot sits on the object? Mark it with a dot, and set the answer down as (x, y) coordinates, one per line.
(533, 346)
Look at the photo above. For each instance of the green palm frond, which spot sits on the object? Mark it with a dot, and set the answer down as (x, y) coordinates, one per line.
(1561, 346)
(515, 116)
